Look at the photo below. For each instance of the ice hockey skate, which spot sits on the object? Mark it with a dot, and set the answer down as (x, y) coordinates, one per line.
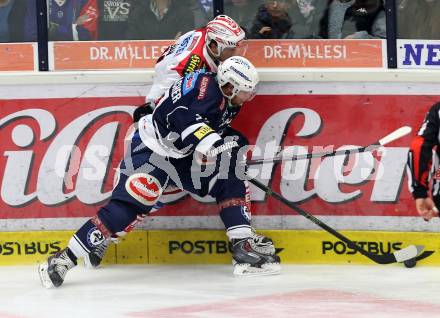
(54, 270)
(255, 256)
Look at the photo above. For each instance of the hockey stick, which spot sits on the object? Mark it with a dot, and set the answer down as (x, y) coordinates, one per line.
(398, 256)
(398, 133)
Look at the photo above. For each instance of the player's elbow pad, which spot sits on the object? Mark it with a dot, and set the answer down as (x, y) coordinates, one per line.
(202, 137)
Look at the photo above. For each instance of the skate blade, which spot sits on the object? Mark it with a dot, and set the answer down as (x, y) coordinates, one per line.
(44, 276)
(246, 270)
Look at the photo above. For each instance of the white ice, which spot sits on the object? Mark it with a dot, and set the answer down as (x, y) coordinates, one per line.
(212, 292)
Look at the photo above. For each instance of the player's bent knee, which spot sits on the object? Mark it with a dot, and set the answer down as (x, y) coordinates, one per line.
(228, 188)
(117, 215)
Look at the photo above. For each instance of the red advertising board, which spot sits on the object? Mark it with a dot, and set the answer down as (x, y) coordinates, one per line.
(105, 55)
(37, 137)
(316, 53)
(18, 57)
(263, 53)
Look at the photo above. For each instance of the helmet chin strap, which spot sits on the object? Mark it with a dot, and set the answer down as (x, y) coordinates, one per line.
(232, 105)
(229, 99)
(229, 105)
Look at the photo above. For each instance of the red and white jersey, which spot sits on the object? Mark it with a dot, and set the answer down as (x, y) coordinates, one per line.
(187, 54)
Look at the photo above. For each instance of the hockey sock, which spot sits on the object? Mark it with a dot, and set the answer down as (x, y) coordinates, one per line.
(236, 220)
(87, 237)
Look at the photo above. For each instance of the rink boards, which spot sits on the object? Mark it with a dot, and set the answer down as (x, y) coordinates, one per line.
(306, 111)
(212, 247)
(61, 146)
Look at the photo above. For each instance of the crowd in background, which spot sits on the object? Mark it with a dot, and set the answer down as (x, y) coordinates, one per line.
(86, 20)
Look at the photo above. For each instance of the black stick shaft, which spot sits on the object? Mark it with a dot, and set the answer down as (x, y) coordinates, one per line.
(315, 220)
(278, 159)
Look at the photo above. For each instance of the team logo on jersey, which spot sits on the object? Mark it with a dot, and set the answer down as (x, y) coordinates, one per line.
(203, 131)
(194, 63)
(190, 82)
(144, 188)
(95, 237)
(202, 88)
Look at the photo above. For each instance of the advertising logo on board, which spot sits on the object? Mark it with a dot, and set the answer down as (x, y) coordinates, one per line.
(60, 156)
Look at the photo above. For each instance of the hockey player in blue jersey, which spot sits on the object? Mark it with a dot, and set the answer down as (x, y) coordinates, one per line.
(183, 142)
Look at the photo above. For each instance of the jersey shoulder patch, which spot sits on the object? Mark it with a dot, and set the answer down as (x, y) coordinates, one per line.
(203, 86)
(209, 93)
(190, 80)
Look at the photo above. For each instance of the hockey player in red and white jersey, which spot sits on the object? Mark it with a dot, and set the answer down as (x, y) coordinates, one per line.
(202, 48)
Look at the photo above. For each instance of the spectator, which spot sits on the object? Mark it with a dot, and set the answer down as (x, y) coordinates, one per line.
(203, 12)
(159, 19)
(69, 20)
(113, 19)
(272, 21)
(418, 19)
(243, 12)
(5, 10)
(12, 14)
(306, 17)
(355, 19)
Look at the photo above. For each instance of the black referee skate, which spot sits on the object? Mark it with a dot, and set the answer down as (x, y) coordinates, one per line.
(255, 256)
(53, 271)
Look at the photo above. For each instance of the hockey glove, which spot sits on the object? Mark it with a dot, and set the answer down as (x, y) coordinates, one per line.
(142, 111)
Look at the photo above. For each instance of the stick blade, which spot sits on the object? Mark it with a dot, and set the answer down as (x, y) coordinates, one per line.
(408, 253)
(424, 255)
(398, 133)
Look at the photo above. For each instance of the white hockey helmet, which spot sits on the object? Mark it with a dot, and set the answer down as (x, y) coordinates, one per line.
(225, 32)
(241, 74)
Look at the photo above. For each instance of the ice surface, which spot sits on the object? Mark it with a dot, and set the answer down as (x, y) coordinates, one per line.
(212, 291)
